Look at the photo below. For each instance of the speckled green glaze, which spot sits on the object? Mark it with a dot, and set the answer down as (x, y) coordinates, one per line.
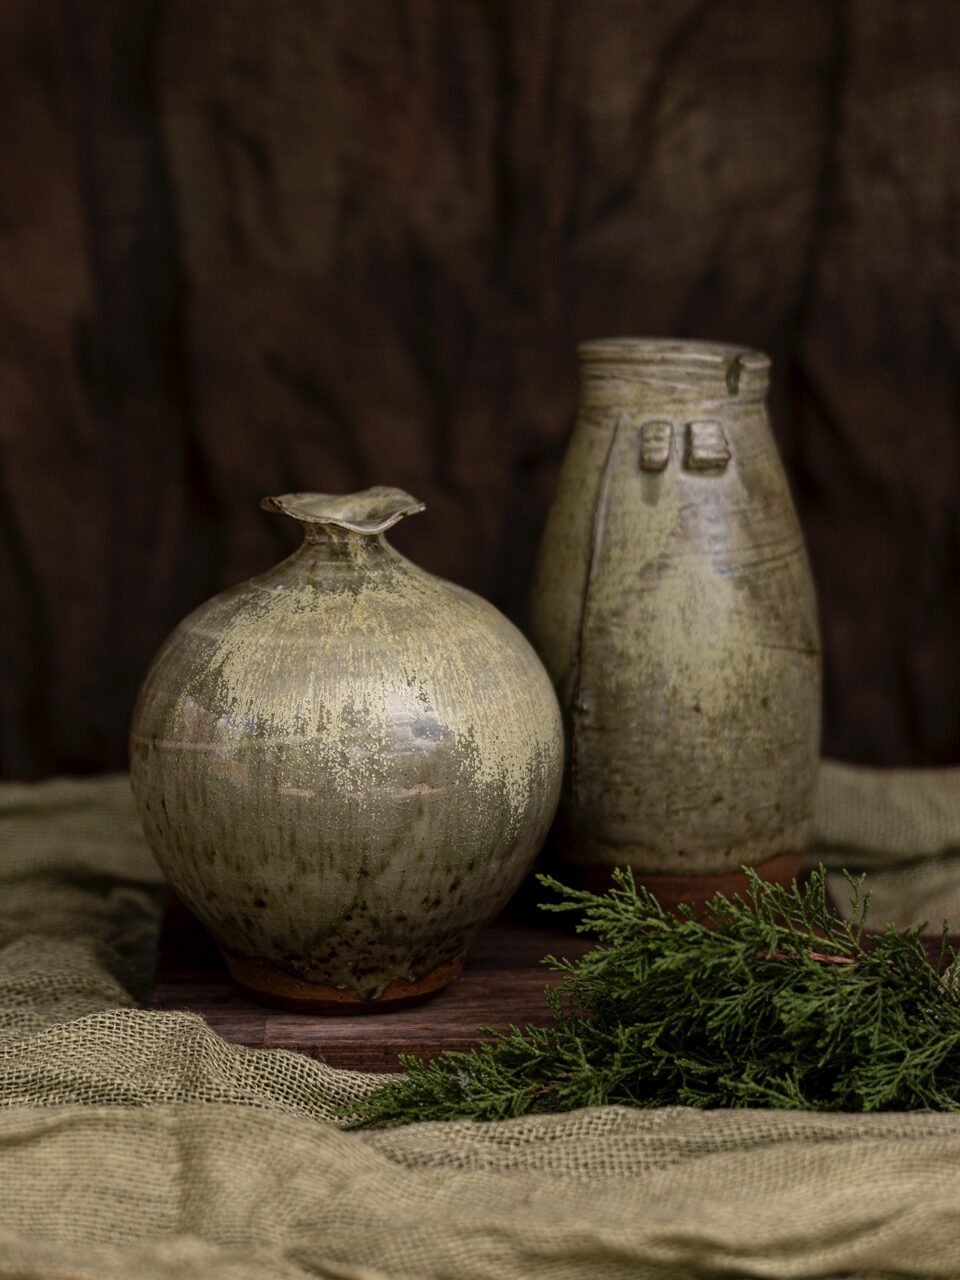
(674, 609)
(346, 765)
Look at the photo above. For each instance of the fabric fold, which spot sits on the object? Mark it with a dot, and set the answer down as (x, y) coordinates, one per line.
(901, 829)
(138, 1143)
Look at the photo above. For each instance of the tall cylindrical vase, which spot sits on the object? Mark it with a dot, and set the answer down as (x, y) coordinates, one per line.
(675, 611)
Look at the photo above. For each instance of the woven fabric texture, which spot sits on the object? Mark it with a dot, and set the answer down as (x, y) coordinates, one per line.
(138, 1144)
(900, 828)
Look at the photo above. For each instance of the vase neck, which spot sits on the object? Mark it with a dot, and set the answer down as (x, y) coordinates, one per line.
(327, 544)
(342, 531)
(673, 370)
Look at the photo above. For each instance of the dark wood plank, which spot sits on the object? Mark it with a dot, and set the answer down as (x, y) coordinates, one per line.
(502, 983)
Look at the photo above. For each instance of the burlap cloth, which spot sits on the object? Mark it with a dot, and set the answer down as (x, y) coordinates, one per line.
(137, 1144)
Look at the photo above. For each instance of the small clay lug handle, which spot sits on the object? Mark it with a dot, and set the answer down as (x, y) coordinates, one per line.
(656, 439)
(707, 447)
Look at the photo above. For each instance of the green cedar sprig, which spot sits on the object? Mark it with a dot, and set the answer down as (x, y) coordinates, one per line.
(771, 1000)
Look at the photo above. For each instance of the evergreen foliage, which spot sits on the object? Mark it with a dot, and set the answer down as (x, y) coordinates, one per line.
(771, 1000)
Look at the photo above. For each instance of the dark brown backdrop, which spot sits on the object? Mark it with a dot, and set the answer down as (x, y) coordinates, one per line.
(253, 247)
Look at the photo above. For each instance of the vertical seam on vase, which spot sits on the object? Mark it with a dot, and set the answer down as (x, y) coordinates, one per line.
(596, 538)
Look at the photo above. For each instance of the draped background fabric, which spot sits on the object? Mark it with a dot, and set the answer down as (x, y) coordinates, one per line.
(250, 248)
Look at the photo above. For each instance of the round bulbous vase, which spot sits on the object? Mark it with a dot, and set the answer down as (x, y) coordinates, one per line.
(346, 765)
(674, 608)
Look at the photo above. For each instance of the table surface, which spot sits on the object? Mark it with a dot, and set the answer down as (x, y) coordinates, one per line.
(502, 984)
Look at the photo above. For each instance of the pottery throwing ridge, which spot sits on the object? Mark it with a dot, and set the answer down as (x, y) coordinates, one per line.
(674, 609)
(346, 765)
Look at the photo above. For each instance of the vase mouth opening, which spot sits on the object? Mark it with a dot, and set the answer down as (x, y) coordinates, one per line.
(734, 367)
(367, 513)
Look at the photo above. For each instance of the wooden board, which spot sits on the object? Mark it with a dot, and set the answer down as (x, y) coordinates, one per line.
(502, 983)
